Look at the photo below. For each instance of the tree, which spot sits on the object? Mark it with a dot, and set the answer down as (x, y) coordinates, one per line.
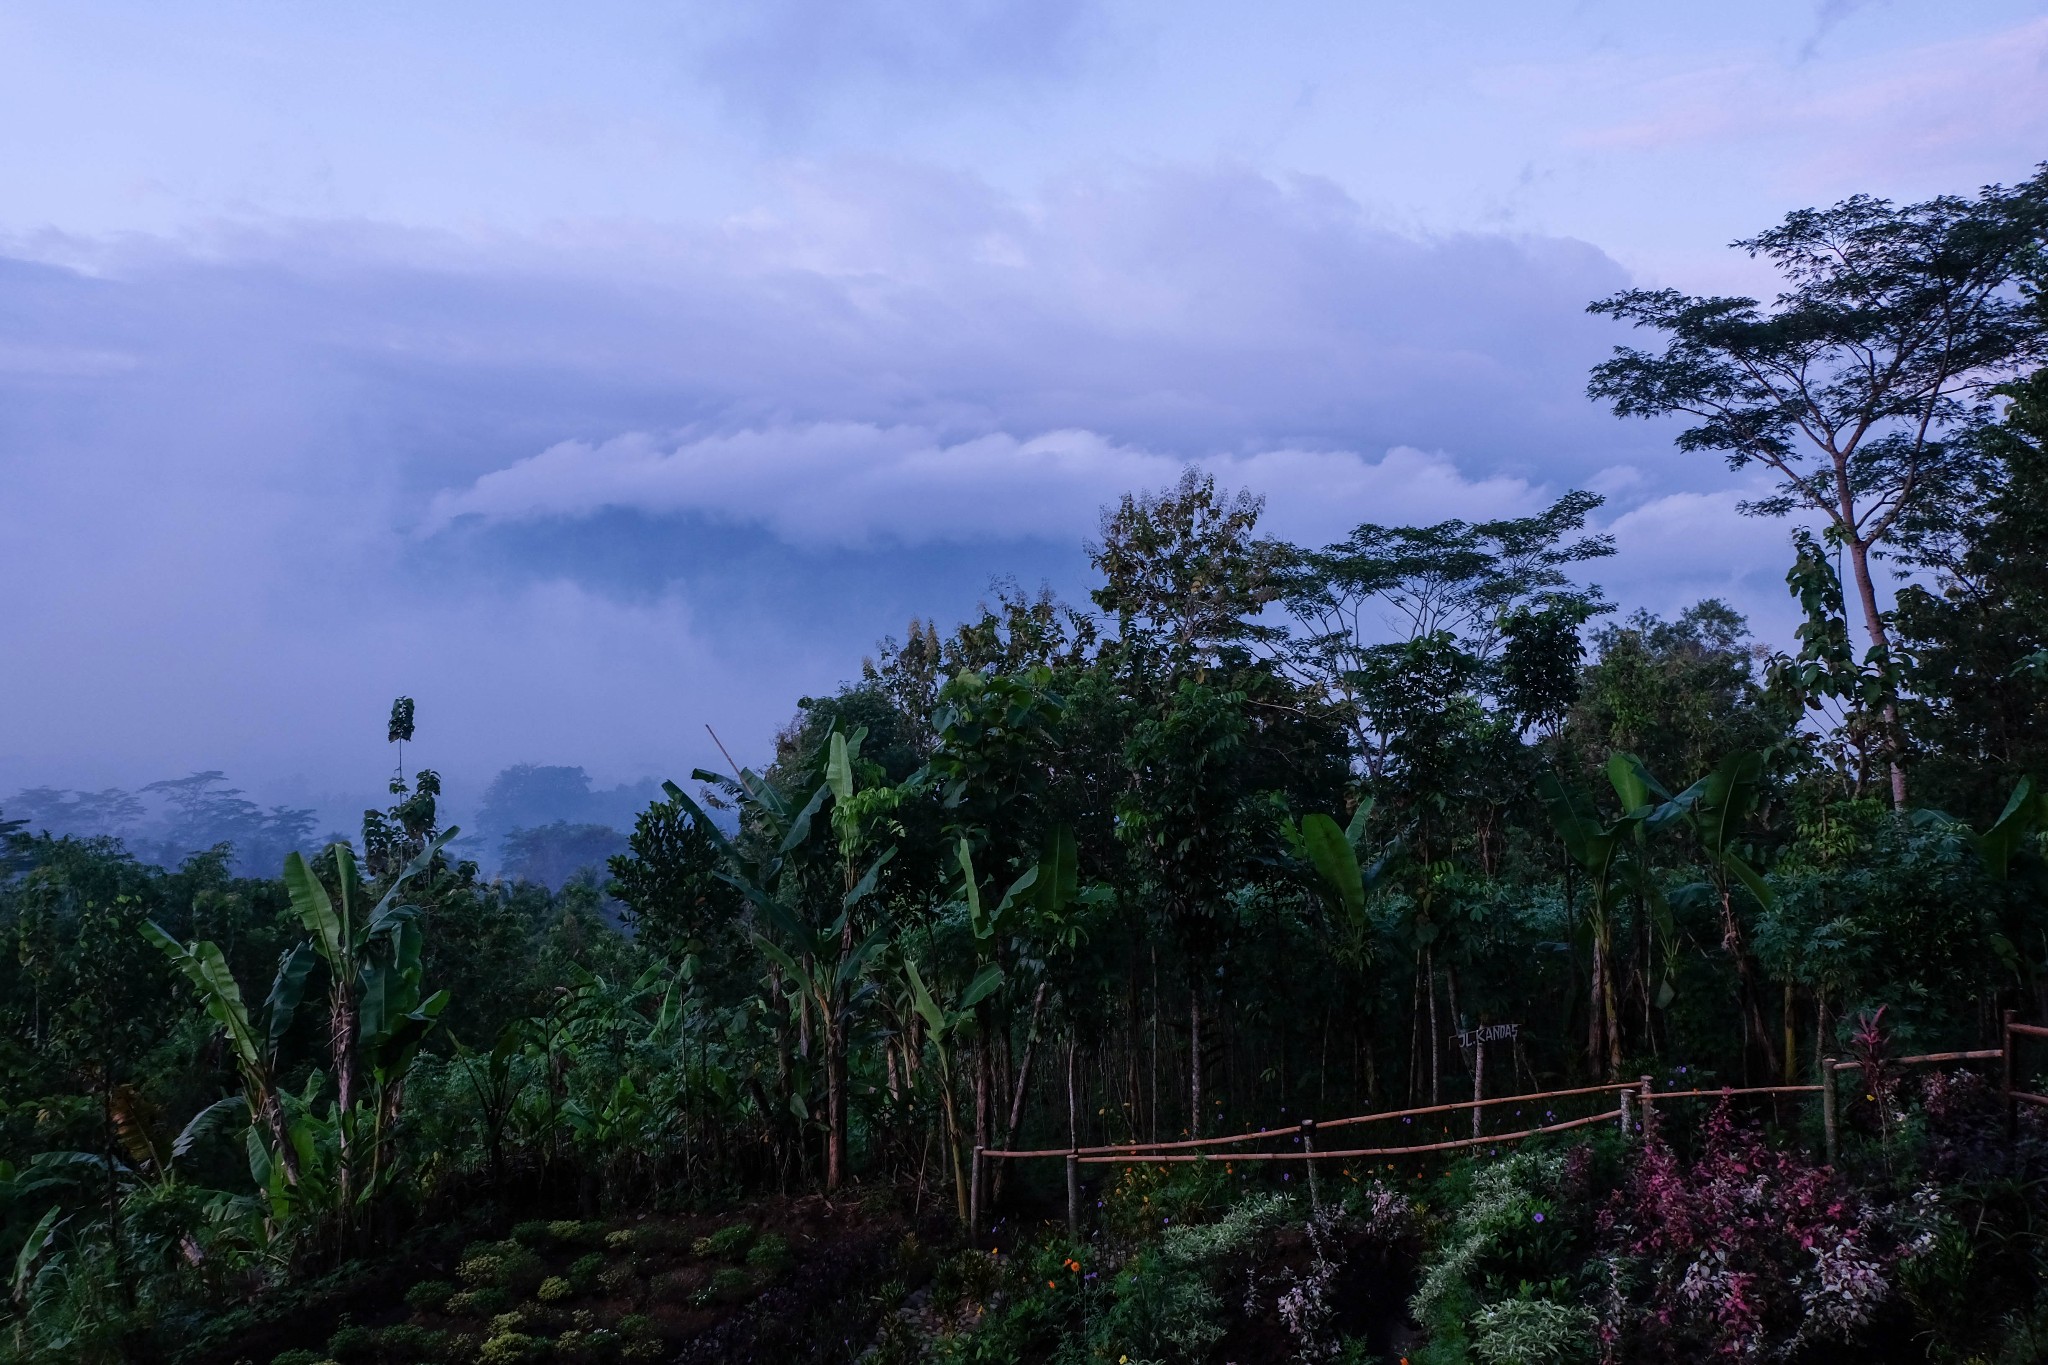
(1854, 388)
(1185, 576)
(1977, 638)
(1494, 592)
(669, 879)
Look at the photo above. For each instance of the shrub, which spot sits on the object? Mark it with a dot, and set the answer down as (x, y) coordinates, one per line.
(1532, 1331)
(729, 1240)
(570, 1232)
(429, 1296)
(620, 1280)
(1750, 1251)
(623, 1240)
(636, 1325)
(480, 1303)
(407, 1343)
(352, 1342)
(480, 1270)
(674, 1287)
(648, 1349)
(554, 1289)
(505, 1324)
(576, 1348)
(585, 1269)
(730, 1283)
(1164, 1302)
(770, 1252)
(534, 1232)
(1505, 1232)
(511, 1348)
(298, 1355)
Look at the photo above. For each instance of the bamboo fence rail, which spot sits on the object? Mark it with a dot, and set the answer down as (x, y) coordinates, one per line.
(1639, 1095)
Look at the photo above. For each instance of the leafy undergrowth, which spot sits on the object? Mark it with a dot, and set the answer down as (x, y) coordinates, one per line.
(790, 1280)
(1187, 1265)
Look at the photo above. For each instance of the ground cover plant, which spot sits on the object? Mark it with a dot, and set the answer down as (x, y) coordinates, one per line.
(1270, 833)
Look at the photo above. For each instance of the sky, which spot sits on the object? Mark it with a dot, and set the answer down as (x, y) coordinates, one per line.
(596, 374)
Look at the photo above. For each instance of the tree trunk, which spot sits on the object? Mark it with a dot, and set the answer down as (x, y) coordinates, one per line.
(1436, 1052)
(1019, 1085)
(1195, 1061)
(1880, 639)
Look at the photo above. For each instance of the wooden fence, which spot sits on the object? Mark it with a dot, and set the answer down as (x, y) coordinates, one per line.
(1635, 1101)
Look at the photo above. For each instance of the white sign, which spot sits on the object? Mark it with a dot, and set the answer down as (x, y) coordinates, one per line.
(1487, 1033)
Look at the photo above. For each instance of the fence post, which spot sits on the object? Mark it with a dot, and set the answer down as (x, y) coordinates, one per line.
(1827, 1106)
(1647, 1098)
(1308, 1147)
(2012, 1106)
(1478, 1083)
(1627, 1114)
(974, 1193)
(1073, 1194)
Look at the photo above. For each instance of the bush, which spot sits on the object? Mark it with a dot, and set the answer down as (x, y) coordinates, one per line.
(620, 1280)
(636, 1325)
(511, 1348)
(351, 1343)
(623, 1240)
(480, 1303)
(569, 1232)
(534, 1232)
(1532, 1331)
(482, 1269)
(585, 1269)
(1164, 1301)
(771, 1253)
(1750, 1251)
(729, 1240)
(429, 1296)
(406, 1343)
(298, 1355)
(554, 1289)
(675, 1287)
(730, 1283)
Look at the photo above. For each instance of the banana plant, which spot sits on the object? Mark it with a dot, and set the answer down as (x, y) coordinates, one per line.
(375, 1016)
(1601, 849)
(2026, 811)
(816, 941)
(1345, 882)
(375, 1013)
(255, 1053)
(943, 1025)
(1717, 808)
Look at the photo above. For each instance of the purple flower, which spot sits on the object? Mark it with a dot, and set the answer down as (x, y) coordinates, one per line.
(1538, 1217)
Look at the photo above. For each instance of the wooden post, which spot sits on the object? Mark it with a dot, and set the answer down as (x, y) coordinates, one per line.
(1308, 1145)
(1073, 1194)
(2012, 1106)
(1646, 1097)
(1478, 1082)
(1827, 1107)
(1628, 1127)
(974, 1193)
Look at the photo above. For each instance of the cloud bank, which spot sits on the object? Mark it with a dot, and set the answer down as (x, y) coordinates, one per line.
(581, 493)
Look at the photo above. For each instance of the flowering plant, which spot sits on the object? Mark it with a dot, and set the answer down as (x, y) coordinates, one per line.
(1747, 1252)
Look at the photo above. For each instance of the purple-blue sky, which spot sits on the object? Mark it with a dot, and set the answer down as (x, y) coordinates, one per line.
(595, 372)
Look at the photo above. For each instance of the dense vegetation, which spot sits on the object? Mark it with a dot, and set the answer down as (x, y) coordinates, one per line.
(1266, 834)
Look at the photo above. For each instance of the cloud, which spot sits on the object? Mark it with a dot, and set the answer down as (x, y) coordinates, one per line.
(861, 399)
(857, 485)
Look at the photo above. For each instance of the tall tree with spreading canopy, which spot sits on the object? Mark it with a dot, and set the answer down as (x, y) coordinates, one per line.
(1854, 385)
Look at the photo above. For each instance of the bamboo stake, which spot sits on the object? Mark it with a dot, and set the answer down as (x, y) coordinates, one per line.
(1827, 1106)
